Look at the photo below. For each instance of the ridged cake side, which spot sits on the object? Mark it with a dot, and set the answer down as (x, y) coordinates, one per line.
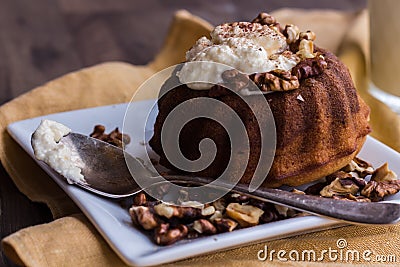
(320, 127)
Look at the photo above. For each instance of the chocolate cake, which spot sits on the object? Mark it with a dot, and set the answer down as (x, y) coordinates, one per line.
(321, 122)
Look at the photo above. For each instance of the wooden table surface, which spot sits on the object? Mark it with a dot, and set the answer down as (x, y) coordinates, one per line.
(43, 39)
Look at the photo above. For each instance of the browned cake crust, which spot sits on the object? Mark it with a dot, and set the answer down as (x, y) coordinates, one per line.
(315, 137)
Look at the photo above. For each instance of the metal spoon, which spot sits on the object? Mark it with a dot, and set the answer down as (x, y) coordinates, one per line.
(106, 173)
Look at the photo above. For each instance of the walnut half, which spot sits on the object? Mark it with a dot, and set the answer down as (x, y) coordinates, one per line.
(276, 80)
(309, 67)
(340, 187)
(245, 215)
(376, 191)
(383, 173)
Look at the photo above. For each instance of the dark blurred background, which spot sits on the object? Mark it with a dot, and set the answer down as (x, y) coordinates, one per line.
(43, 39)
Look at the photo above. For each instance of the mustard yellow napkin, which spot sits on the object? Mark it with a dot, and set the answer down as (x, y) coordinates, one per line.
(72, 241)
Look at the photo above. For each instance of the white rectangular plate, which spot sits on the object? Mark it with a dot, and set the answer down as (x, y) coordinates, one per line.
(113, 221)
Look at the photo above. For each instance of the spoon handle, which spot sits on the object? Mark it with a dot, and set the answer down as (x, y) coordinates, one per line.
(350, 211)
(347, 211)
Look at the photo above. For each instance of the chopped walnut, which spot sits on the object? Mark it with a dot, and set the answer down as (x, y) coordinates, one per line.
(192, 204)
(169, 211)
(217, 215)
(276, 80)
(296, 191)
(139, 199)
(239, 198)
(164, 235)
(309, 67)
(282, 210)
(142, 216)
(359, 166)
(219, 204)
(203, 226)
(376, 191)
(308, 35)
(383, 173)
(225, 225)
(245, 215)
(235, 80)
(339, 187)
(208, 211)
(115, 137)
(306, 49)
(264, 19)
(346, 178)
(291, 33)
(351, 197)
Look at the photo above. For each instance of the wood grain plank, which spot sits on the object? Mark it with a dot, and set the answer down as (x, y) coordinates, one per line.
(17, 211)
(5, 88)
(36, 44)
(94, 39)
(98, 6)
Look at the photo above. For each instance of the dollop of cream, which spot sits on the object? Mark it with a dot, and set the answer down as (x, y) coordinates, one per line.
(47, 148)
(247, 47)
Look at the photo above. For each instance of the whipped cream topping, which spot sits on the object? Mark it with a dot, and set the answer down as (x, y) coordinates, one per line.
(247, 47)
(46, 146)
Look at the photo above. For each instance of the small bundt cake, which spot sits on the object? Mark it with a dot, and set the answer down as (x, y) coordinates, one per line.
(321, 122)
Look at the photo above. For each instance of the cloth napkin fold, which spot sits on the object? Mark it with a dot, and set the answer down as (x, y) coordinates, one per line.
(71, 240)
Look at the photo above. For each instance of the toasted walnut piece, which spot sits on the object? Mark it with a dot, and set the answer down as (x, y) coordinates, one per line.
(339, 187)
(269, 216)
(264, 19)
(376, 191)
(245, 215)
(234, 80)
(306, 49)
(208, 211)
(291, 33)
(192, 204)
(383, 173)
(276, 80)
(143, 217)
(98, 131)
(276, 27)
(296, 191)
(285, 212)
(217, 215)
(165, 210)
(225, 225)
(169, 211)
(308, 35)
(282, 210)
(219, 204)
(309, 67)
(115, 138)
(351, 197)
(361, 167)
(164, 235)
(203, 226)
(139, 199)
(239, 198)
